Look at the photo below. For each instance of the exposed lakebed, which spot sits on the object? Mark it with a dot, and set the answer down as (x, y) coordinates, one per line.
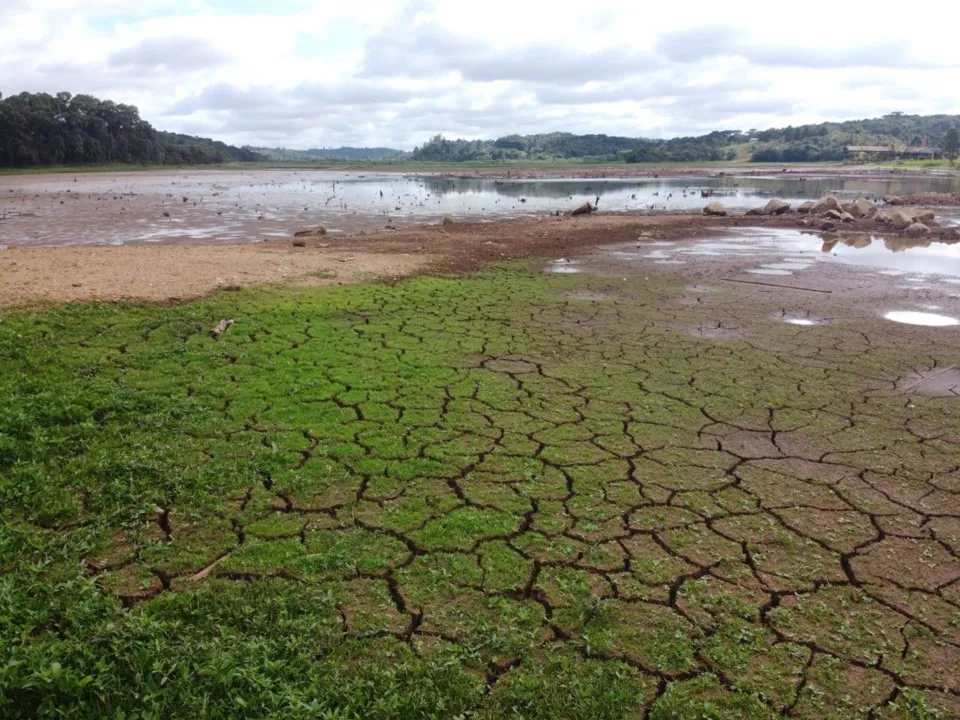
(236, 206)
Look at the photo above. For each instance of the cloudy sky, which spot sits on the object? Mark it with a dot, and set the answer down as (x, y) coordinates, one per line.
(315, 73)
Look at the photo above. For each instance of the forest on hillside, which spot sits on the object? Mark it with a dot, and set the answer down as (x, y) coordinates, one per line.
(63, 129)
(38, 129)
(345, 153)
(805, 143)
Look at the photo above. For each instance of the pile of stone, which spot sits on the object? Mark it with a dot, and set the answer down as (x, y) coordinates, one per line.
(828, 211)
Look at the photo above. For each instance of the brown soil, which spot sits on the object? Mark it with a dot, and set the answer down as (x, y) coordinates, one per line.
(172, 272)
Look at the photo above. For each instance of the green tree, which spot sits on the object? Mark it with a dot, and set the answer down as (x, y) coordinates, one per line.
(951, 144)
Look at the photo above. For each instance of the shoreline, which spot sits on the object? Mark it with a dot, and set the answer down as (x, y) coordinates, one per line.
(175, 272)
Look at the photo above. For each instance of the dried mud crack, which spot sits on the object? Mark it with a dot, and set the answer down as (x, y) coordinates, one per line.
(502, 494)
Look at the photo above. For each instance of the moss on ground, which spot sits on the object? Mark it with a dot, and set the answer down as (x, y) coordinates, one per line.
(470, 497)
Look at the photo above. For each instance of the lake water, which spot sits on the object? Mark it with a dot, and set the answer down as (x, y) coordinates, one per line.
(231, 206)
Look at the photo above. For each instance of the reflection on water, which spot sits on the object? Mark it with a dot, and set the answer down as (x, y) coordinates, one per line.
(898, 254)
(775, 251)
(922, 318)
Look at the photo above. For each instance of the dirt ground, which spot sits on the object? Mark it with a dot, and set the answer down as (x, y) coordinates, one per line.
(30, 276)
(169, 273)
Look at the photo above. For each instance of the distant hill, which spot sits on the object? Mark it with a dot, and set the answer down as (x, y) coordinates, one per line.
(805, 143)
(355, 153)
(340, 153)
(200, 150)
(63, 129)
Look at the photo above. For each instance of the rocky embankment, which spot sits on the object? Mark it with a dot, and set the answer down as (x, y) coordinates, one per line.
(828, 214)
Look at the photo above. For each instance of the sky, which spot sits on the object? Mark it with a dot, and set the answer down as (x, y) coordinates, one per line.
(314, 73)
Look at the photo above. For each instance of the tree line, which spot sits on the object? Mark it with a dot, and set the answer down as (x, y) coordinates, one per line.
(806, 143)
(38, 129)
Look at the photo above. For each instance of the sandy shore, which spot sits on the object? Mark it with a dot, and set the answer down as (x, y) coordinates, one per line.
(169, 273)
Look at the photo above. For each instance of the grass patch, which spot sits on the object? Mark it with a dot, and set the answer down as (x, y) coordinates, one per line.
(339, 510)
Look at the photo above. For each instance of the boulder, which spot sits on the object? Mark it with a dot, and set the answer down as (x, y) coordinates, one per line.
(776, 207)
(917, 230)
(584, 209)
(447, 220)
(881, 217)
(893, 200)
(834, 214)
(715, 208)
(847, 206)
(827, 225)
(805, 207)
(847, 217)
(862, 208)
(826, 203)
(754, 211)
(924, 216)
(900, 220)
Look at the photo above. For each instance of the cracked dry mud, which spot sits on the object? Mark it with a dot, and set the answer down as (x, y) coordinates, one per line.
(506, 494)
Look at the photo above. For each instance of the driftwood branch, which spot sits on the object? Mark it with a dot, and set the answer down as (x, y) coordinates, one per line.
(220, 329)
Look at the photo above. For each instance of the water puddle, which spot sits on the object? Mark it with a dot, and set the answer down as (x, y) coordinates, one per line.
(800, 250)
(912, 317)
(769, 271)
(562, 267)
(788, 266)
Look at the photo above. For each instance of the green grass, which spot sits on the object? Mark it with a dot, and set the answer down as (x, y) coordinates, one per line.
(337, 511)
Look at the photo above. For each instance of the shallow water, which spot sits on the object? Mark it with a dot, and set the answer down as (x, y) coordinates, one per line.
(250, 205)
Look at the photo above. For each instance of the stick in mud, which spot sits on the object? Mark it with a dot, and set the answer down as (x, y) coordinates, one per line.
(923, 379)
(783, 287)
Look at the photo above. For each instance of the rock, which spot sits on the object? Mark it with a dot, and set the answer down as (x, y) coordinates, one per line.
(754, 211)
(716, 209)
(881, 217)
(893, 200)
(584, 209)
(834, 214)
(862, 208)
(847, 217)
(847, 206)
(447, 220)
(826, 203)
(827, 225)
(917, 230)
(776, 207)
(805, 207)
(924, 216)
(900, 220)
(299, 243)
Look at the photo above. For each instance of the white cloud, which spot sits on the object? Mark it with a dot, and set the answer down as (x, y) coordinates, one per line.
(395, 72)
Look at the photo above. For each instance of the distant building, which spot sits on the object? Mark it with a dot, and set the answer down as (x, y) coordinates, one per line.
(887, 152)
